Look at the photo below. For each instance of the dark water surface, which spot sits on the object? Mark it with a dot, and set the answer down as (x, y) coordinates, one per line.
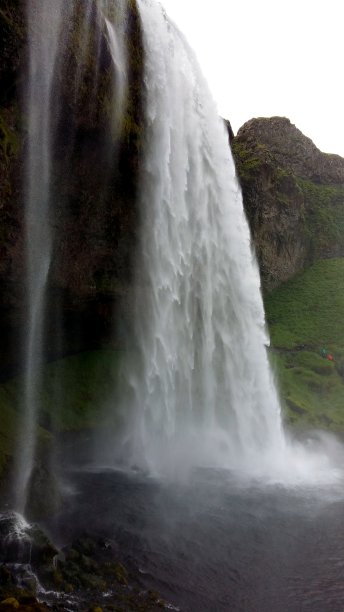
(216, 544)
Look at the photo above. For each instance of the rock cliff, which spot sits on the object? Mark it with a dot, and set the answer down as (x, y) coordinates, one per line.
(293, 197)
(93, 183)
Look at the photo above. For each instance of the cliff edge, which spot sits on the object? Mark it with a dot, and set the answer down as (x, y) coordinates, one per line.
(293, 197)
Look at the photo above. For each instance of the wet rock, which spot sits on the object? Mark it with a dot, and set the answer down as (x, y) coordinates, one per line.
(12, 38)
(94, 217)
(23, 543)
(94, 183)
(15, 542)
(229, 131)
(43, 497)
(10, 603)
(88, 575)
(22, 605)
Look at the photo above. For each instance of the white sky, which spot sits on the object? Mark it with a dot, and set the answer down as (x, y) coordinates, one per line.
(267, 57)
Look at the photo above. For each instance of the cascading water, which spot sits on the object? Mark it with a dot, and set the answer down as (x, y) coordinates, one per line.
(49, 34)
(44, 22)
(118, 53)
(198, 387)
(203, 391)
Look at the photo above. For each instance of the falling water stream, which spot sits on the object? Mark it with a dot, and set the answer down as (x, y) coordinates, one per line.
(203, 390)
(44, 24)
(48, 30)
(199, 389)
(194, 502)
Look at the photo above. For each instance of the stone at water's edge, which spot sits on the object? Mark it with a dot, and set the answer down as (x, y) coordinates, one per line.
(85, 574)
(293, 197)
(21, 542)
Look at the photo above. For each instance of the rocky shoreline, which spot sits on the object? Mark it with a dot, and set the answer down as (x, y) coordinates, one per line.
(86, 576)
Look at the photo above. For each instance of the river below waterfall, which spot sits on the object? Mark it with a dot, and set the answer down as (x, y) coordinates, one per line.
(216, 543)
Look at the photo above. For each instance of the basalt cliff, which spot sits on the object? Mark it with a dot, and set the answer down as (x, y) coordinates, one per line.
(293, 196)
(95, 226)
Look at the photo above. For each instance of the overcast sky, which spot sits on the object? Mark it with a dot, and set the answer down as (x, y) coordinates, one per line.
(267, 57)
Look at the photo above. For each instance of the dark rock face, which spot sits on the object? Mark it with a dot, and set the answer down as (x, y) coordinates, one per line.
(93, 183)
(229, 130)
(86, 575)
(12, 51)
(293, 197)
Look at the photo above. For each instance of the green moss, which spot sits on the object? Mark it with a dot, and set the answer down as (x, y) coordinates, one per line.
(325, 213)
(256, 163)
(74, 396)
(305, 316)
(309, 308)
(8, 139)
(248, 158)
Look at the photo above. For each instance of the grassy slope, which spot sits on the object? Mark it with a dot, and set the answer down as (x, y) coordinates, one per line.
(305, 315)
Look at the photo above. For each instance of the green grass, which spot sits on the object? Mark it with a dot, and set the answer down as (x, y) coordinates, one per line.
(306, 315)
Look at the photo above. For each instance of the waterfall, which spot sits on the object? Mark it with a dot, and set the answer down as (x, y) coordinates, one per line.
(50, 37)
(44, 22)
(200, 383)
(196, 385)
(118, 52)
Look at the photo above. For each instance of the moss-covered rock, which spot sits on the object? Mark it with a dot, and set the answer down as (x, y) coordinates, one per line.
(89, 571)
(293, 197)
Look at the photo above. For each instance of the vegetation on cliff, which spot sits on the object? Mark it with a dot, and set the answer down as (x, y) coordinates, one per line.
(294, 201)
(305, 318)
(293, 197)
